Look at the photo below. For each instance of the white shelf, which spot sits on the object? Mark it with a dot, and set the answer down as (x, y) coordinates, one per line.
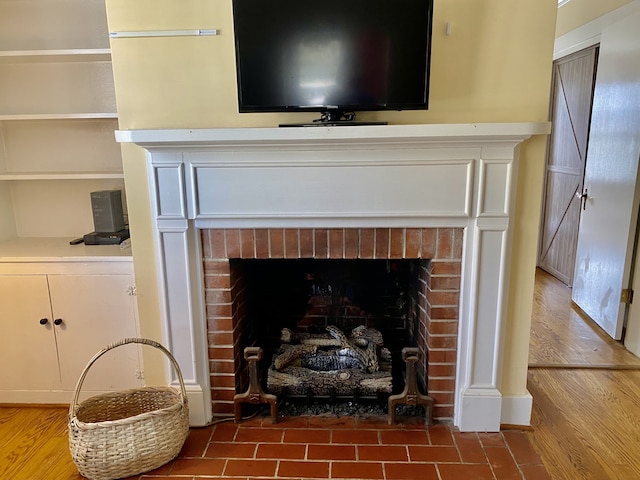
(56, 56)
(61, 176)
(57, 249)
(59, 116)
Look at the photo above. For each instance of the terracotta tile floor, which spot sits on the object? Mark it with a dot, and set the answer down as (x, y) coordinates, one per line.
(327, 447)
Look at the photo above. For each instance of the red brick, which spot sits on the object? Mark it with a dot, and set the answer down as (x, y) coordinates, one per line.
(502, 463)
(276, 243)
(444, 313)
(446, 268)
(443, 411)
(277, 451)
(442, 341)
(306, 470)
(413, 238)
(224, 432)
(331, 452)
(217, 297)
(291, 249)
(522, 450)
(355, 436)
(221, 353)
(259, 435)
(247, 244)
(217, 281)
(306, 243)
(261, 242)
(470, 447)
(382, 243)
(443, 298)
(198, 466)
(445, 283)
(445, 243)
(232, 241)
(443, 327)
(457, 472)
(196, 443)
(404, 437)
(382, 453)
(218, 366)
(440, 435)
(396, 249)
(441, 384)
(250, 468)
(351, 243)
(220, 338)
(230, 450)
(444, 370)
(216, 267)
(433, 453)
(366, 243)
(223, 381)
(220, 394)
(410, 471)
(336, 243)
(217, 243)
(321, 244)
(366, 470)
(307, 435)
(429, 243)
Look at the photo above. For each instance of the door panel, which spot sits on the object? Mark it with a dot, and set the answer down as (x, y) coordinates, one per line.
(572, 92)
(96, 310)
(28, 347)
(608, 223)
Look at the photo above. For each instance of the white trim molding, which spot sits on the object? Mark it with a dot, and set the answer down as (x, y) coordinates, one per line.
(380, 176)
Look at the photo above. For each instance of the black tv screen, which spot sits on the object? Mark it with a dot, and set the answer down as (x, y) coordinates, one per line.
(325, 55)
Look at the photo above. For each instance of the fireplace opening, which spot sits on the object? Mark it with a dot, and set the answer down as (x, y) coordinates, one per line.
(330, 330)
(405, 283)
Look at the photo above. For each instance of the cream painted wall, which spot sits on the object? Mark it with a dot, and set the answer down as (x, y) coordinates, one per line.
(578, 12)
(495, 66)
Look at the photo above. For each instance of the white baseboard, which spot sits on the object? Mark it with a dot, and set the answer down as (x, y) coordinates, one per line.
(516, 409)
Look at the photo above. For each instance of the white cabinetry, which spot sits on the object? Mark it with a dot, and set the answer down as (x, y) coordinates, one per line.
(55, 315)
(57, 116)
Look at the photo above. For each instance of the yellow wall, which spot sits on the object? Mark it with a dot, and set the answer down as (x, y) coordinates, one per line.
(578, 12)
(495, 66)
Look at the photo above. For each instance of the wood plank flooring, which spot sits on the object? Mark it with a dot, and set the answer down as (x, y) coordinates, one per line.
(586, 418)
(561, 335)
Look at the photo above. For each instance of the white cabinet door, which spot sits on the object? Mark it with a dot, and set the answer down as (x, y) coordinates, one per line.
(95, 310)
(29, 358)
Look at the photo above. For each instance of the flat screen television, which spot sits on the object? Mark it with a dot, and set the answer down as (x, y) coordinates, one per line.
(336, 57)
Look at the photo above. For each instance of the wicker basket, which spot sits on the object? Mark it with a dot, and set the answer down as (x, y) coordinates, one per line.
(116, 435)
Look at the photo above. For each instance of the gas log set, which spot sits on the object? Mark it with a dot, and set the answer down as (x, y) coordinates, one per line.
(333, 353)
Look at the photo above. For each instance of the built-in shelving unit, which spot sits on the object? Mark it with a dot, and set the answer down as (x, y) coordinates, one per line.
(57, 117)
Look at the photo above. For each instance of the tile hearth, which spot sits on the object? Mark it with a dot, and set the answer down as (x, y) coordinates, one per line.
(330, 447)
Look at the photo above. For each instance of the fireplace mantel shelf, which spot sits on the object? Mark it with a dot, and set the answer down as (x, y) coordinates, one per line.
(387, 134)
(395, 176)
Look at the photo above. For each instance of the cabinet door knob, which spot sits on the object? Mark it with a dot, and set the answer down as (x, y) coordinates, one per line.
(57, 321)
(44, 321)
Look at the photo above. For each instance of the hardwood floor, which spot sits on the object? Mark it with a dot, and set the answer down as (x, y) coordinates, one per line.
(586, 418)
(586, 392)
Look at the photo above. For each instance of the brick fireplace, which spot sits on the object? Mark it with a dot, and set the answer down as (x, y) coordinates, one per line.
(252, 191)
(437, 303)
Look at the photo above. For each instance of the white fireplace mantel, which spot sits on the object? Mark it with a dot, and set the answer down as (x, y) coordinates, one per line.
(460, 175)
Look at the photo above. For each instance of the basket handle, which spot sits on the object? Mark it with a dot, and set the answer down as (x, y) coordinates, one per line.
(73, 408)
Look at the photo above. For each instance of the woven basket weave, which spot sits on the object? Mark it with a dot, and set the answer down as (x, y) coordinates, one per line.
(116, 435)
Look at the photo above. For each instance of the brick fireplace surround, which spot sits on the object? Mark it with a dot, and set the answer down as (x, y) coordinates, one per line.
(264, 186)
(438, 297)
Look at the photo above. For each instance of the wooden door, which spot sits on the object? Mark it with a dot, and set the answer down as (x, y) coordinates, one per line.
(27, 342)
(572, 93)
(96, 310)
(606, 243)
